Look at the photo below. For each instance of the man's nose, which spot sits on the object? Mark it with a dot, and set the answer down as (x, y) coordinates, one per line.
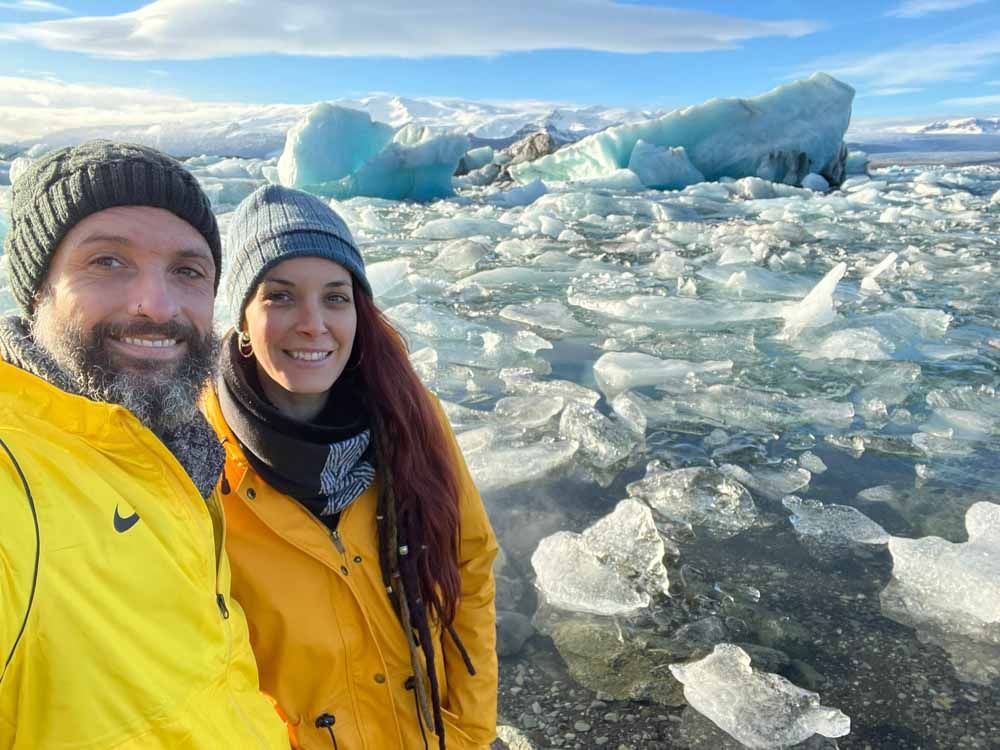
(153, 297)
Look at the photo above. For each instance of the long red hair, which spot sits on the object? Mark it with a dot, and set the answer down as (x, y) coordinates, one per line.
(418, 451)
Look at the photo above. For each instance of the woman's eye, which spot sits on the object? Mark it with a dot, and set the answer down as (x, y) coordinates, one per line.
(276, 297)
(338, 299)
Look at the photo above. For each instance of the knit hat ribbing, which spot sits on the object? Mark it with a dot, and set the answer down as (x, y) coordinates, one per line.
(276, 223)
(65, 186)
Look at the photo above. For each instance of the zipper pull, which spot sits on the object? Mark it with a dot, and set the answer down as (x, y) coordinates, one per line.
(223, 609)
(335, 535)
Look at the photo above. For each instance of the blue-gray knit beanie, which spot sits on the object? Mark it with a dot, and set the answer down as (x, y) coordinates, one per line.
(276, 223)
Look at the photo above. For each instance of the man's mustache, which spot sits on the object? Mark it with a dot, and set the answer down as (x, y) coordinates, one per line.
(172, 329)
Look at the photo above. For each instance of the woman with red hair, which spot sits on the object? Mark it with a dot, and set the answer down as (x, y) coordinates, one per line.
(360, 548)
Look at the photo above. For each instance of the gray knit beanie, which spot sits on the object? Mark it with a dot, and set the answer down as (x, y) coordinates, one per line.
(276, 223)
(65, 186)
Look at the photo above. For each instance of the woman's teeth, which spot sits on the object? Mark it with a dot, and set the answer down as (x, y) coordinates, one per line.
(309, 356)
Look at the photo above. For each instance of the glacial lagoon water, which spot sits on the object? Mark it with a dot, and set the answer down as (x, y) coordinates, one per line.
(794, 390)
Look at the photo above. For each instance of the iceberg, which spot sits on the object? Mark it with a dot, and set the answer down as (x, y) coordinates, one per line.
(342, 153)
(782, 136)
(761, 710)
(615, 567)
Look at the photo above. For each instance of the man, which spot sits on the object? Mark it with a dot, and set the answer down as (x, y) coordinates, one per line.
(116, 626)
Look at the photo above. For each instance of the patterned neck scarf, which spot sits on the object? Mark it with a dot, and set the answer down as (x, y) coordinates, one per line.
(330, 459)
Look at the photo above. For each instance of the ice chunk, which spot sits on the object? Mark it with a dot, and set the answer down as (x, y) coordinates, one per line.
(815, 182)
(549, 316)
(495, 469)
(782, 136)
(857, 163)
(615, 567)
(772, 484)
(699, 496)
(759, 709)
(520, 196)
(340, 153)
(460, 256)
(621, 371)
(865, 344)
(868, 283)
(663, 168)
(459, 227)
(812, 463)
(528, 411)
(329, 143)
(951, 592)
(477, 158)
(833, 525)
(384, 276)
(604, 441)
(816, 308)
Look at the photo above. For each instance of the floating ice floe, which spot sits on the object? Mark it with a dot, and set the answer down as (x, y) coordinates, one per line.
(621, 371)
(340, 153)
(782, 135)
(770, 483)
(950, 592)
(549, 316)
(496, 468)
(699, 496)
(604, 441)
(615, 567)
(763, 711)
(816, 308)
(833, 525)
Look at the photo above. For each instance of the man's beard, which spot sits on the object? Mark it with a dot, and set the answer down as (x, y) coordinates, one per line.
(163, 396)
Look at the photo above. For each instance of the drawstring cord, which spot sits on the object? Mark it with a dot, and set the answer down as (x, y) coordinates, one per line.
(326, 721)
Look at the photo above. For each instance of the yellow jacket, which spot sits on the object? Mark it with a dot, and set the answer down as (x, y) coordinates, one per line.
(325, 634)
(112, 627)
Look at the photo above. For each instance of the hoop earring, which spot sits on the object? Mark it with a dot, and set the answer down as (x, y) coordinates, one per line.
(243, 341)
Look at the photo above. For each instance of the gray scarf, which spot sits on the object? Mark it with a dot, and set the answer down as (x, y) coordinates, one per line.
(193, 444)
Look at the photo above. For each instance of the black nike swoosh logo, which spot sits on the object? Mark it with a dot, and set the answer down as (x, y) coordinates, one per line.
(124, 524)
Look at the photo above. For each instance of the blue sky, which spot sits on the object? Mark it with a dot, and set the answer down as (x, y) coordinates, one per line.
(906, 58)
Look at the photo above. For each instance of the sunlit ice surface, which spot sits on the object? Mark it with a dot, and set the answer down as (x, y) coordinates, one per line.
(831, 364)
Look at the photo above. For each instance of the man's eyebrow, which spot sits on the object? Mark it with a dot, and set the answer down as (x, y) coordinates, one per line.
(196, 253)
(116, 239)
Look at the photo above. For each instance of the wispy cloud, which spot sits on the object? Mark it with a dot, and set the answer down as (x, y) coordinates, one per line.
(918, 8)
(894, 91)
(915, 64)
(974, 101)
(200, 29)
(36, 6)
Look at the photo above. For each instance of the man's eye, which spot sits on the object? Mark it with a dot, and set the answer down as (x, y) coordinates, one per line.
(106, 261)
(191, 273)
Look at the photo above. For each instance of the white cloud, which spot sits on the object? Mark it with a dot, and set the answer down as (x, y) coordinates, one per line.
(915, 64)
(32, 108)
(974, 101)
(918, 8)
(893, 91)
(35, 6)
(200, 29)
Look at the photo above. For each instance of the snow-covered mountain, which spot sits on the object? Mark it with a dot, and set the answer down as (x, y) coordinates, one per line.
(259, 130)
(965, 126)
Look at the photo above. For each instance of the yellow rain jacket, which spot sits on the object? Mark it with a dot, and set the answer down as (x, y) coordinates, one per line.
(116, 626)
(325, 634)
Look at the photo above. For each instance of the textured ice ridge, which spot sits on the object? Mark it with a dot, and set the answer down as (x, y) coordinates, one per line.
(783, 135)
(759, 709)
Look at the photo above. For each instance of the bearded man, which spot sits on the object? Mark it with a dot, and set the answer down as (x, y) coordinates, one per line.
(116, 626)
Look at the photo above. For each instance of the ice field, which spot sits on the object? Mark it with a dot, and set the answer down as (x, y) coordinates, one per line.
(746, 432)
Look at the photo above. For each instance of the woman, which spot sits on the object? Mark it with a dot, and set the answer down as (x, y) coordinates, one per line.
(361, 551)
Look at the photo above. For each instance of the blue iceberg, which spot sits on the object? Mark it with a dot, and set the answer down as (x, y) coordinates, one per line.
(342, 153)
(782, 136)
